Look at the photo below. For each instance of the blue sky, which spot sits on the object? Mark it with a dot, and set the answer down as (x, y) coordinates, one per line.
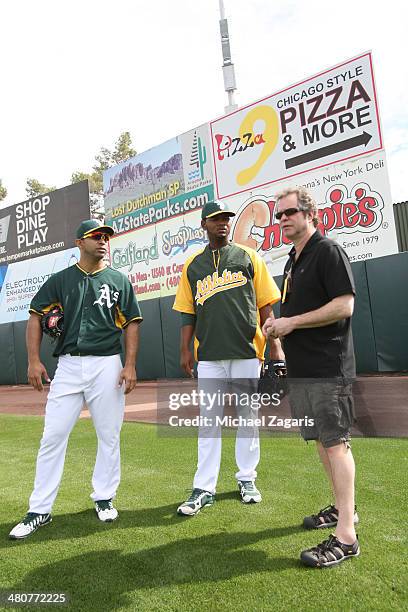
(79, 73)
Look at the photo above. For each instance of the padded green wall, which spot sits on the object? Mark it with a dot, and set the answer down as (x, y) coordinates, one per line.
(387, 279)
(380, 328)
(171, 321)
(7, 355)
(362, 323)
(150, 360)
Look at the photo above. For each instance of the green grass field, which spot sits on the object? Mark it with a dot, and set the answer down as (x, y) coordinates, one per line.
(230, 556)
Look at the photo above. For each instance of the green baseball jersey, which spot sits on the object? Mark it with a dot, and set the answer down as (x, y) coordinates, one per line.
(224, 289)
(97, 306)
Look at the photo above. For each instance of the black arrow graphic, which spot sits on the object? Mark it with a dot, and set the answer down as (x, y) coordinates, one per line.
(350, 143)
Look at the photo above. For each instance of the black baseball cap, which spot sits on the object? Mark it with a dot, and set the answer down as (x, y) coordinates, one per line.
(91, 226)
(215, 208)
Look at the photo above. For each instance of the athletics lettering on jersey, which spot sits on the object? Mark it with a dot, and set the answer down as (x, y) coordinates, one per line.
(107, 294)
(214, 283)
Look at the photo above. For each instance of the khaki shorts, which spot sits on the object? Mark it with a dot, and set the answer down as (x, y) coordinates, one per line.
(329, 404)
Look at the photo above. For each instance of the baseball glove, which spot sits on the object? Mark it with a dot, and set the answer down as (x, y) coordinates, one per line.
(52, 323)
(273, 378)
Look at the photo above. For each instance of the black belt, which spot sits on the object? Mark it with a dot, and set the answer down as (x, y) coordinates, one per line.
(76, 354)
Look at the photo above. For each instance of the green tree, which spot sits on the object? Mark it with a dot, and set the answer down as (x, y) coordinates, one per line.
(106, 158)
(34, 188)
(123, 148)
(3, 191)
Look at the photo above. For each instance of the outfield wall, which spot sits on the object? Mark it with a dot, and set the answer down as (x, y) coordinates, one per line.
(380, 328)
(154, 201)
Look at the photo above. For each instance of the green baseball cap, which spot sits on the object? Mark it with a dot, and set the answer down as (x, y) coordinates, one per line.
(215, 208)
(91, 226)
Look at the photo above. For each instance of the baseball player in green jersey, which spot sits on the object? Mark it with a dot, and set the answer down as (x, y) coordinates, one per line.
(98, 303)
(225, 294)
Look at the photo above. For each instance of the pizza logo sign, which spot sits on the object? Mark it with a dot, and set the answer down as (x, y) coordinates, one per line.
(247, 139)
(323, 120)
(227, 146)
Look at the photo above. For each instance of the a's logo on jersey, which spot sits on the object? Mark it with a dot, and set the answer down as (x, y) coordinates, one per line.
(211, 285)
(108, 295)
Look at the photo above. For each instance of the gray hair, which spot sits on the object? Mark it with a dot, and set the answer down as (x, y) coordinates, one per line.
(305, 201)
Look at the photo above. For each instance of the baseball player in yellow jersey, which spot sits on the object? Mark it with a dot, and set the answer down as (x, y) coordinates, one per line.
(98, 304)
(225, 295)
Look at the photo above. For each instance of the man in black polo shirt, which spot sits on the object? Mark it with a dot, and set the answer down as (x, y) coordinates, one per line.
(315, 325)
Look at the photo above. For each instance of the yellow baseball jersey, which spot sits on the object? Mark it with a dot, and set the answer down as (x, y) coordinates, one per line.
(224, 289)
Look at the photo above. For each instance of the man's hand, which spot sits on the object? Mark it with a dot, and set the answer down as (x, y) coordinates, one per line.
(187, 362)
(35, 373)
(128, 376)
(338, 308)
(277, 328)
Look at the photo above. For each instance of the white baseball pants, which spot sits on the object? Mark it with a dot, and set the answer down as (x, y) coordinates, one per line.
(77, 379)
(214, 377)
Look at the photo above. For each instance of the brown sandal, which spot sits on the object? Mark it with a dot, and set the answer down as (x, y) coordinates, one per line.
(330, 552)
(326, 517)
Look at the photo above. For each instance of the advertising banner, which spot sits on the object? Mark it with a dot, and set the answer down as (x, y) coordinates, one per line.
(125, 219)
(197, 160)
(326, 119)
(354, 204)
(167, 181)
(355, 209)
(22, 280)
(153, 257)
(45, 224)
(143, 180)
(322, 133)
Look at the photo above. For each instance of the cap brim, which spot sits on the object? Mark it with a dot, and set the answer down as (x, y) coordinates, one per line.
(101, 229)
(220, 212)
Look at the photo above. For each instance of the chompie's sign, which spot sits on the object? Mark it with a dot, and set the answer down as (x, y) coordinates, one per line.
(355, 209)
(326, 119)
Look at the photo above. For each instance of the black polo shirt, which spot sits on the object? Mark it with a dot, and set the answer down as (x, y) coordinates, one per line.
(321, 273)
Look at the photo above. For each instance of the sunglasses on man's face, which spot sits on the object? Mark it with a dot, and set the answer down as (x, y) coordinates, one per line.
(99, 236)
(289, 212)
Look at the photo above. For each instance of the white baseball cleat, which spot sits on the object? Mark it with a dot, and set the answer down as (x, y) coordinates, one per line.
(30, 523)
(197, 500)
(248, 491)
(105, 510)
